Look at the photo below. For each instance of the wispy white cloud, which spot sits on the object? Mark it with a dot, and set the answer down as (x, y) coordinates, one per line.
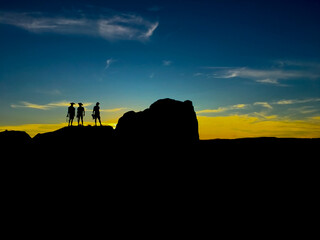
(39, 23)
(166, 62)
(271, 76)
(198, 74)
(126, 27)
(303, 110)
(25, 104)
(151, 29)
(109, 62)
(296, 101)
(65, 104)
(223, 109)
(118, 26)
(270, 81)
(298, 109)
(151, 75)
(264, 104)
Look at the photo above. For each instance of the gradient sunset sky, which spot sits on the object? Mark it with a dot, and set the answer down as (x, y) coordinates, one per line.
(251, 68)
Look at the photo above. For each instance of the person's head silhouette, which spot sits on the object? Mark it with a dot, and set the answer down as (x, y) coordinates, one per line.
(97, 104)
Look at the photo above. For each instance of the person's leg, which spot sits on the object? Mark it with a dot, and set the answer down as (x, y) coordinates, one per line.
(100, 121)
(95, 121)
(82, 120)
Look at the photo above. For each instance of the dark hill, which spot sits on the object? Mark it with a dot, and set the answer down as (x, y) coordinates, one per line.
(10, 138)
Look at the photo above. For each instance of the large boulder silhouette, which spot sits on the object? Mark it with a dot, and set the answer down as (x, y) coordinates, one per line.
(165, 121)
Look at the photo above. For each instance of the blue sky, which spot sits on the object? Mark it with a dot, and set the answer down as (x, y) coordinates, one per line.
(261, 55)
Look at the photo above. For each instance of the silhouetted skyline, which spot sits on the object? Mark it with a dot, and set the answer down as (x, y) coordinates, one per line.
(251, 65)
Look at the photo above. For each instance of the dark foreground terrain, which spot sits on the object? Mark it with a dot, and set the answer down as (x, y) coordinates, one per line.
(154, 167)
(157, 147)
(98, 158)
(89, 173)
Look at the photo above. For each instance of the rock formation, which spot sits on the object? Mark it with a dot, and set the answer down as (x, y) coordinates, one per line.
(165, 121)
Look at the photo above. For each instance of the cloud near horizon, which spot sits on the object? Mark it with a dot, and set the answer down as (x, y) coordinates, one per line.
(223, 109)
(241, 126)
(65, 104)
(119, 26)
(24, 104)
(275, 75)
(286, 109)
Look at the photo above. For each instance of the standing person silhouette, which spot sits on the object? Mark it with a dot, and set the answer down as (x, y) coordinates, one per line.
(96, 114)
(71, 113)
(80, 114)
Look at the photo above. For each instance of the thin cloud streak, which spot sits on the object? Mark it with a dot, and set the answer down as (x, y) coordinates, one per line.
(39, 23)
(151, 29)
(126, 27)
(223, 109)
(264, 104)
(116, 27)
(268, 105)
(109, 62)
(296, 101)
(166, 62)
(273, 76)
(25, 104)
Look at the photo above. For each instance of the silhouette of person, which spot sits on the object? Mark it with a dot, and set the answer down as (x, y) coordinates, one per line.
(80, 114)
(96, 114)
(71, 113)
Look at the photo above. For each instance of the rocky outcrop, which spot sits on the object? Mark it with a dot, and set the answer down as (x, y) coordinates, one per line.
(165, 121)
